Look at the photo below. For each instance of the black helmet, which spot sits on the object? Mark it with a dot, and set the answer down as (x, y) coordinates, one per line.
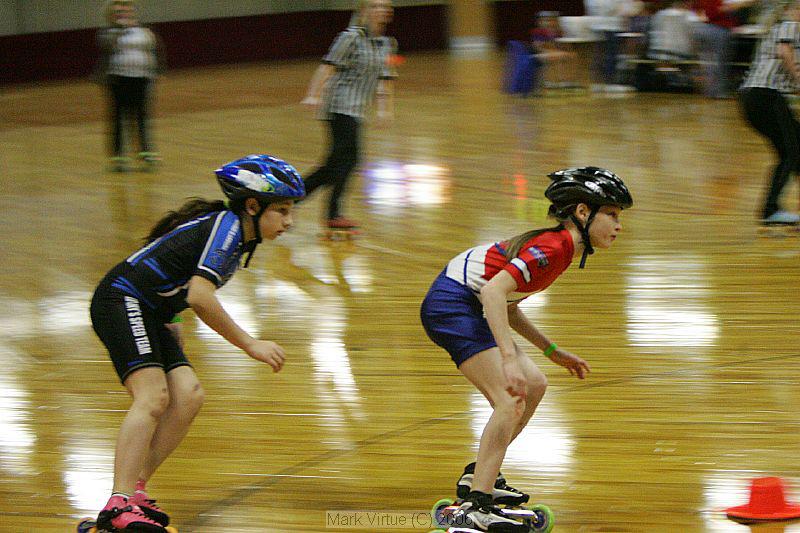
(593, 186)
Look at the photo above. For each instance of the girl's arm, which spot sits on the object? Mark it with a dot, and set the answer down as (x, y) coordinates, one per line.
(204, 303)
(318, 81)
(495, 305)
(493, 297)
(520, 323)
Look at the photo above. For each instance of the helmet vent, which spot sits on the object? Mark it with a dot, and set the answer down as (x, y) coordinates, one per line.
(252, 167)
(281, 176)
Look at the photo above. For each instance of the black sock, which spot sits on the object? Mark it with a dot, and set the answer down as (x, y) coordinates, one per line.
(480, 499)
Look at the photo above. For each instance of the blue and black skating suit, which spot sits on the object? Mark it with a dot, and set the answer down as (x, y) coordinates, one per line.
(158, 275)
(144, 292)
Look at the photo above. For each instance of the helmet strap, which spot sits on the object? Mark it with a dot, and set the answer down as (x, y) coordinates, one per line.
(250, 247)
(584, 229)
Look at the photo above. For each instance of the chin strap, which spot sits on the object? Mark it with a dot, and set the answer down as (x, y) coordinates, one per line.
(587, 241)
(250, 246)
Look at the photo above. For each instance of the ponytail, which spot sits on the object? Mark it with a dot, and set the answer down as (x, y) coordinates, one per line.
(514, 244)
(193, 208)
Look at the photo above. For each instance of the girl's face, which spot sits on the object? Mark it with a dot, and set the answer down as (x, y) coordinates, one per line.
(123, 13)
(605, 226)
(379, 13)
(276, 219)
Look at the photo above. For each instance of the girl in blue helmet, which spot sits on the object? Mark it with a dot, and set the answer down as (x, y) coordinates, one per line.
(472, 307)
(188, 255)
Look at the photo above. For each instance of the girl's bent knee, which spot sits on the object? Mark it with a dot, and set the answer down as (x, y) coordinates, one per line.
(154, 405)
(195, 399)
(537, 383)
(508, 407)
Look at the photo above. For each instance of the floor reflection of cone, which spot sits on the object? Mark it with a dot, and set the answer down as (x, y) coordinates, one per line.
(767, 502)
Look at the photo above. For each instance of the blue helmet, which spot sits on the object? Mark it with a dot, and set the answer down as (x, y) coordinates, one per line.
(263, 177)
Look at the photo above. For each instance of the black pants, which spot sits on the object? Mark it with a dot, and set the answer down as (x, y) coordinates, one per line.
(130, 97)
(768, 112)
(341, 161)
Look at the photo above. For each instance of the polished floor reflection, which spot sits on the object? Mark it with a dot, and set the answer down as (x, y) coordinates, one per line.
(690, 322)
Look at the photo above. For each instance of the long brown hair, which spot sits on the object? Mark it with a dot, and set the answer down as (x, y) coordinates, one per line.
(193, 208)
(515, 244)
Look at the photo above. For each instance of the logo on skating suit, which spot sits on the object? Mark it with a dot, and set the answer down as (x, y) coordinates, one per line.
(541, 258)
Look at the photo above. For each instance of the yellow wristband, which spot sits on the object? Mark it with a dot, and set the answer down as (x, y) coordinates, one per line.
(550, 349)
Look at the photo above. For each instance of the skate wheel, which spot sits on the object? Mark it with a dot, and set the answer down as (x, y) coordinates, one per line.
(543, 519)
(436, 512)
(87, 525)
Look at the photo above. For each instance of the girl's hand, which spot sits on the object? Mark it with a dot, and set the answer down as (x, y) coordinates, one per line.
(267, 352)
(515, 379)
(573, 363)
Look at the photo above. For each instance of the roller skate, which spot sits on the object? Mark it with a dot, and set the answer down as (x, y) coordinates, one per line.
(502, 493)
(119, 163)
(341, 229)
(505, 502)
(780, 223)
(149, 160)
(120, 514)
(478, 513)
(150, 508)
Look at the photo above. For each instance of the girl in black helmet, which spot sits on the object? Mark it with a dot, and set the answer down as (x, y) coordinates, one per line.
(473, 304)
(189, 254)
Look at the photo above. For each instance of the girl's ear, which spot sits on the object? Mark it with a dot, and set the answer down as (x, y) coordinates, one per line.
(251, 206)
(582, 212)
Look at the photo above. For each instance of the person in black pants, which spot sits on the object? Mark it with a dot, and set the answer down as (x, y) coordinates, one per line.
(773, 73)
(355, 69)
(130, 59)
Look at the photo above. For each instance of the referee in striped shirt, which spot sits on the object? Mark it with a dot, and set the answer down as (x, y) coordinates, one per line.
(355, 69)
(774, 73)
(130, 60)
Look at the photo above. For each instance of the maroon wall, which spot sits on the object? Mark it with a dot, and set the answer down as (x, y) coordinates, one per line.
(71, 54)
(514, 20)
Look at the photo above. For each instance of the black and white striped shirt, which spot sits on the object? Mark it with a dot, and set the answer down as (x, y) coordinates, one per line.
(132, 52)
(360, 61)
(767, 69)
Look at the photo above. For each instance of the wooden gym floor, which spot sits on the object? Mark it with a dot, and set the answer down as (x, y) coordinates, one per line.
(690, 321)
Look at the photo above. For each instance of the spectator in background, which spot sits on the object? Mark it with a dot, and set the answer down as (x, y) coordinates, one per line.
(713, 40)
(543, 44)
(671, 32)
(611, 19)
(131, 56)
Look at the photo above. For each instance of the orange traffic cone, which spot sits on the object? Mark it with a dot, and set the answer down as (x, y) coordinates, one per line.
(395, 60)
(767, 502)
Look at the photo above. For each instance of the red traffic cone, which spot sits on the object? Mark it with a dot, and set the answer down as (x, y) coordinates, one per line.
(767, 502)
